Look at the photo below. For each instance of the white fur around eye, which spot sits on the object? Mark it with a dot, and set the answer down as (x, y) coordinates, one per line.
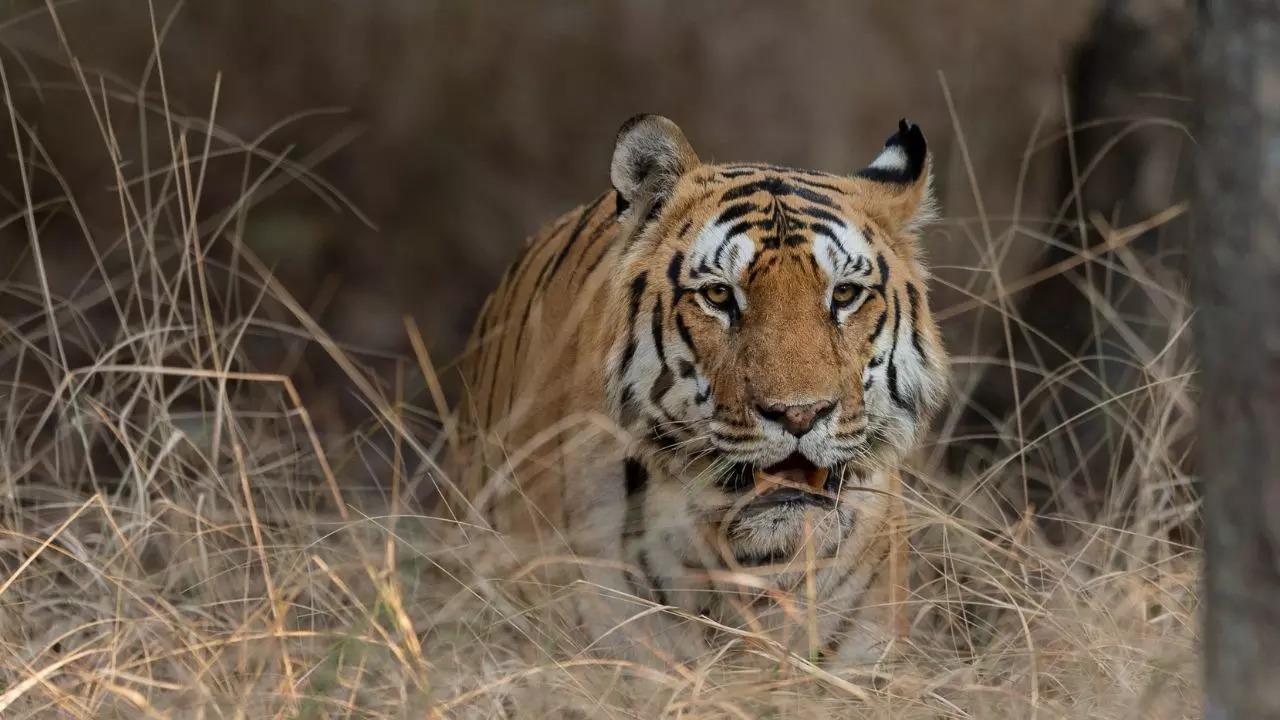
(847, 311)
(846, 256)
(727, 255)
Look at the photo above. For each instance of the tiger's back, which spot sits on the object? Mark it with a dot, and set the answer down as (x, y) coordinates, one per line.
(533, 368)
(709, 370)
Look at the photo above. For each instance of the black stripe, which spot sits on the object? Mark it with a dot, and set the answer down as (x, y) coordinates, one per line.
(733, 212)
(636, 589)
(802, 180)
(886, 175)
(599, 258)
(673, 275)
(601, 231)
(508, 290)
(715, 260)
(762, 167)
(735, 431)
(739, 228)
(654, 209)
(861, 265)
(875, 334)
(821, 229)
(686, 369)
(685, 336)
(816, 214)
(771, 185)
(628, 413)
(891, 371)
(666, 379)
(638, 286)
(836, 247)
(772, 557)
(814, 196)
(913, 298)
(661, 386)
(493, 379)
(550, 269)
(637, 294)
(754, 167)
(637, 476)
(780, 217)
(884, 274)
(655, 325)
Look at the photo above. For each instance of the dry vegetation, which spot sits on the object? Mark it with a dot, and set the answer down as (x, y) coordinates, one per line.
(175, 540)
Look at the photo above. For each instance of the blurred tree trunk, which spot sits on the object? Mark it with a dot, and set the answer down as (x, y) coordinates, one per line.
(1236, 265)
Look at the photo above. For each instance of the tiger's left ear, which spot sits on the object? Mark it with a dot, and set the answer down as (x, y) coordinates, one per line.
(649, 156)
(899, 182)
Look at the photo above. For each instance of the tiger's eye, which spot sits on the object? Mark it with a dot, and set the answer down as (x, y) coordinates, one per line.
(844, 293)
(718, 294)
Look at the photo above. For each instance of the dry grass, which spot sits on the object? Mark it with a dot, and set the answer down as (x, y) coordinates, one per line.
(178, 539)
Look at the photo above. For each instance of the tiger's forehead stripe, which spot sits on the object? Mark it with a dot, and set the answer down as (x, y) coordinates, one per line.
(786, 208)
(778, 187)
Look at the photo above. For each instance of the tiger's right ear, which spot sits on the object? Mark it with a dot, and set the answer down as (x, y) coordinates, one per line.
(649, 156)
(899, 182)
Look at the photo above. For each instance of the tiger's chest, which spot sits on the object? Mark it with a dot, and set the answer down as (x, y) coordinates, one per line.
(779, 569)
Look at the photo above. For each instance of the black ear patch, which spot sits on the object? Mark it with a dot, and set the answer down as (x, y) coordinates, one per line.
(903, 159)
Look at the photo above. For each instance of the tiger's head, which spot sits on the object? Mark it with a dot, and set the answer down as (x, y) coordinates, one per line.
(772, 324)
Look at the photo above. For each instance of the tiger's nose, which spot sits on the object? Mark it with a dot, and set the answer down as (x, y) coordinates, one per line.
(798, 419)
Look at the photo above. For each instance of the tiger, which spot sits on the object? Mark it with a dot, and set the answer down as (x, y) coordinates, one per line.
(704, 385)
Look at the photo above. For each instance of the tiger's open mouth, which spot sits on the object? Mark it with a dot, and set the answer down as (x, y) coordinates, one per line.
(794, 482)
(795, 472)
(795, 479)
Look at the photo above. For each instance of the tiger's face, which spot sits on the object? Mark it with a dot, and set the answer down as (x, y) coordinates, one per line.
(777, 320)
